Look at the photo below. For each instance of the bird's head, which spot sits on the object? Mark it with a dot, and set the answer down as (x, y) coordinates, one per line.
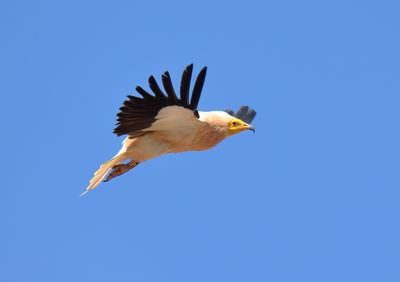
(225, 123)
(236, 125)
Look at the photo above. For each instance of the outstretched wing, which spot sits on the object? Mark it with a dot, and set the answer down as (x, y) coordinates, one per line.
(139, 113)
(244, 113)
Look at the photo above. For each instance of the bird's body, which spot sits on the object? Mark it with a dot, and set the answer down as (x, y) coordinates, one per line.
(157, 125)
(185, 134)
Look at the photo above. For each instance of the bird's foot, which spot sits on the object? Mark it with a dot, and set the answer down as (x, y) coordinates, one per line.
(119, 169)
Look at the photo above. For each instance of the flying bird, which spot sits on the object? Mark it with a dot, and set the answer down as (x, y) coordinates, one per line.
(159, 123)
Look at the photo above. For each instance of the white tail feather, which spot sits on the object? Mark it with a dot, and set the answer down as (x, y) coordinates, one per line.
(103, 171)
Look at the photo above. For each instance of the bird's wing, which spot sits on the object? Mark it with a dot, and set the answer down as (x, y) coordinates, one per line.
(139, 114)
(244, 113)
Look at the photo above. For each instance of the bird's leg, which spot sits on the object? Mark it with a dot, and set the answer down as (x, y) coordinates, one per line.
(119, 169)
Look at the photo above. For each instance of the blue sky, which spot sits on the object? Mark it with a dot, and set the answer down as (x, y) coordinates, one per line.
(312, 196)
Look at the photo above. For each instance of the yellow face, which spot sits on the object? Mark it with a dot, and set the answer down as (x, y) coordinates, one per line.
(236, 125)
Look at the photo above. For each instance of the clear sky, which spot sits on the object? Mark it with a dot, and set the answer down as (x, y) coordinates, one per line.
(312, 196)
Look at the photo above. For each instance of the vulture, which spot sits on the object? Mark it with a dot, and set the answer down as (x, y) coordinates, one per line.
(162, 122)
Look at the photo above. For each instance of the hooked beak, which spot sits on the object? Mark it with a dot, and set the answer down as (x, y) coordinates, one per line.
(249, 127)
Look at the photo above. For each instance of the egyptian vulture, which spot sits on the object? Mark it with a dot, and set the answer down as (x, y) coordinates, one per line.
(163, 123)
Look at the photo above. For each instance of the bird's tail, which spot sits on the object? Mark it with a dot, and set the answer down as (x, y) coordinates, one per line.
(104, 170)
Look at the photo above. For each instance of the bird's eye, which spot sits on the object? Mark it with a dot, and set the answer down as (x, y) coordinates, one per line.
(235, 123)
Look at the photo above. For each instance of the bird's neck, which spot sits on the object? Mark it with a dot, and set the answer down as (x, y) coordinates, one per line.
(209, 135)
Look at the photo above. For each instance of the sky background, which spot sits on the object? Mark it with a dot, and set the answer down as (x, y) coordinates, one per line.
(312, 196)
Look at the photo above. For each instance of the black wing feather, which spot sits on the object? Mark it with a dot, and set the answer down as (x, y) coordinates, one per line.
(185, 84)
(198, 86)
(156, 89)
(231, 112)
(167, 82)
(249, 116)
(144, 93)
(244, 113)
(138, 113)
